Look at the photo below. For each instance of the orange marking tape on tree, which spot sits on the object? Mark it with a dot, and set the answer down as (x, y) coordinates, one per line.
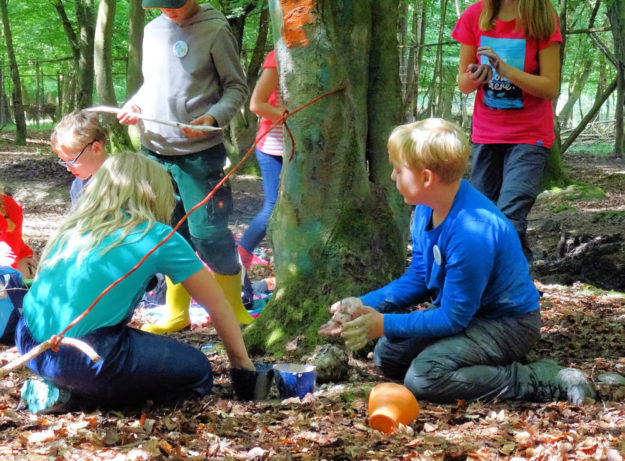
(296, 14)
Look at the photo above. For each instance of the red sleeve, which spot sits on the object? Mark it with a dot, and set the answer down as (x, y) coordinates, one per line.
(556, 37)
(270, 61)
(466, 28)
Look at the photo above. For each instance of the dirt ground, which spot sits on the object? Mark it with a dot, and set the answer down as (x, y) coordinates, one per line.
(583, 327)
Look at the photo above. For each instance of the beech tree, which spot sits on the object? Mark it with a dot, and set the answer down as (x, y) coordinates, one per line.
(339, 227)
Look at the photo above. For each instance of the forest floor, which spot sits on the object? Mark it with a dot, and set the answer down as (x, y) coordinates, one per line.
(583, 326)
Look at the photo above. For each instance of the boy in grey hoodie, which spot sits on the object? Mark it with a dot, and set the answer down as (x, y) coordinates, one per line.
(192, 75)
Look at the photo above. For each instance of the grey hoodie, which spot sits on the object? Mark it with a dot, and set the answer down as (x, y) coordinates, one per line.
(207, 80)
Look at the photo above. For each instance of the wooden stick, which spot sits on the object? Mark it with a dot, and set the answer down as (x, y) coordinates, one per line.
(44, 346)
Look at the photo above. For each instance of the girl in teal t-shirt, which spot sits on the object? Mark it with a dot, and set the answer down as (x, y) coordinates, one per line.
(117, 221)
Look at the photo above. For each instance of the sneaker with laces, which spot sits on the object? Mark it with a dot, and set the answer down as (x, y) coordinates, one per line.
(43, 397)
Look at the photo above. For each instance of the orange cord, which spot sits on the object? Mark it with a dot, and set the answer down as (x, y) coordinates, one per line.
(55, 340)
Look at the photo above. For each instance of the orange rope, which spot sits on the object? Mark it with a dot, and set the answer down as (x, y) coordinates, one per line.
(55, 340)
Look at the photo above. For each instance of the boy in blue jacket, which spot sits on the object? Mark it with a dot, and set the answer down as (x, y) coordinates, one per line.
(468, 262)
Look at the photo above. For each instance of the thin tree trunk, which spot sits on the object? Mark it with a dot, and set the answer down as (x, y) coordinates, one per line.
(592, 113)
(104, 72)
(439, 59)
(18, 107)
(616, 13)
(136, 20)
(579, 82)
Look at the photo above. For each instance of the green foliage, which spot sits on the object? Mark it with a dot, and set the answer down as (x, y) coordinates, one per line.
(572, 193)
(610, 216)
(600, 149)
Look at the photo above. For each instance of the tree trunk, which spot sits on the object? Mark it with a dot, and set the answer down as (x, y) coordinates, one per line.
(616, 13)
(103, 64)
(410, 104)
(554, 172)
(336, 229)
(85, 17)
(241, 132)
(439, 59)
(579, 82)
(18, 108)
(592, 113)
(136, 20)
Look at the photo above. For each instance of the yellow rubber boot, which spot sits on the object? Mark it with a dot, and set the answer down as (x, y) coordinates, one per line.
(231, 286)
(178, 301)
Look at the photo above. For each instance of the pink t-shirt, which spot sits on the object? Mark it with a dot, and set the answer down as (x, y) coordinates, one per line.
(503, 113)
(273, 142)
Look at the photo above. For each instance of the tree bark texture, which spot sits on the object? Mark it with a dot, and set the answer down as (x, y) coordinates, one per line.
(616, 13)
(18, 107)
(85, 17)
(136, 20)
(336, 229)
(103, 65)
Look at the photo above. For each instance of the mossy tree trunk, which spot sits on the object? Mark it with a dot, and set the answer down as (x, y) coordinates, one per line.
(339, 227)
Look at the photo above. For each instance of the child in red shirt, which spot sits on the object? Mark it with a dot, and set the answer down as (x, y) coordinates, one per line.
(13, 251)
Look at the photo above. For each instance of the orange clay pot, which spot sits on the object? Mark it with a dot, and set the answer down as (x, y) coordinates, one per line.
(389, 405)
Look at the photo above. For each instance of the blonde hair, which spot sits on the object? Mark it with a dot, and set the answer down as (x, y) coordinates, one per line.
(433, 143)
(77, 129)
(129, 189)
(537, 18)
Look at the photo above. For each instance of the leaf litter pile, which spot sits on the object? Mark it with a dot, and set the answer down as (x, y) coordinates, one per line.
(581, 327)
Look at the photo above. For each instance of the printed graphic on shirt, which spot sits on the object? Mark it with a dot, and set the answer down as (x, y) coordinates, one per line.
(499, 93)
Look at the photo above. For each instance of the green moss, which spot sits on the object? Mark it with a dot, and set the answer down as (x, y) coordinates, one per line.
(572, 193)
(610, 216)
(587, 288)
(563, 207)
(361, 392)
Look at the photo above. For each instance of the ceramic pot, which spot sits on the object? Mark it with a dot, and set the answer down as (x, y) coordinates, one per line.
(389, 405)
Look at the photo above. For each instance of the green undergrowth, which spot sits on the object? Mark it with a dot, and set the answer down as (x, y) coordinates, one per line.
(558, 199)
(600, 149)
(609, 216)
(591, 289)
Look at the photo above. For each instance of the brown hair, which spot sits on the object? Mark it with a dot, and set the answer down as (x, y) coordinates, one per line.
(537, 18)
(77, 129)
(433, 143)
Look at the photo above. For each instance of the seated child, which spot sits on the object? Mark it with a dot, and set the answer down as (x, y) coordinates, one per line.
(467, 260)
(80, 142)
(13, 251)
(120, 217)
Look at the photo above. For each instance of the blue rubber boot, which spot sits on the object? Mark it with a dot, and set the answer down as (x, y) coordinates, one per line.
(43, 397)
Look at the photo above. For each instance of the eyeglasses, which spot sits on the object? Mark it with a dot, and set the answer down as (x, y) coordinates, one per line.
(72, 163)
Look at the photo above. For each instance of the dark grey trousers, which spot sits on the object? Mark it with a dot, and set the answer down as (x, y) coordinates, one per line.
(482, 362)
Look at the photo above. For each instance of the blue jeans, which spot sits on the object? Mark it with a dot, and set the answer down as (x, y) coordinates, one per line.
(206, 229)
(510, 175)
(480, 363)
(270, 168)
(135, 366)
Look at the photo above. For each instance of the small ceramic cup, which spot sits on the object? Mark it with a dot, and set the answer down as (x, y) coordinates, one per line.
(294, 380)
(391, 404)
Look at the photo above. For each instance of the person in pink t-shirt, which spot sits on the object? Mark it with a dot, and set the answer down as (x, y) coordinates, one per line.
(266, 102)
(510, 54)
